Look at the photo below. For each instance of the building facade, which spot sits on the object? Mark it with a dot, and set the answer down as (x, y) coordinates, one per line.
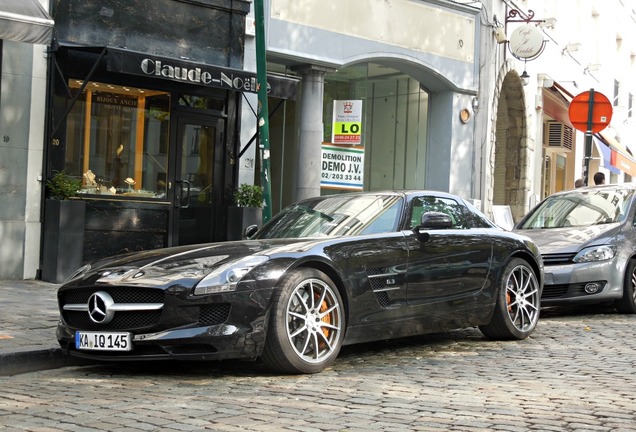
(153, 106)
(535, 149)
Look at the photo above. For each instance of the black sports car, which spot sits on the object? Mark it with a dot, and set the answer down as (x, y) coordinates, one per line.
(323, 273)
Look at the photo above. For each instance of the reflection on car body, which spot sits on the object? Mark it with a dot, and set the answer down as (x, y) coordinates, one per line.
(588, 243)
(323, 273)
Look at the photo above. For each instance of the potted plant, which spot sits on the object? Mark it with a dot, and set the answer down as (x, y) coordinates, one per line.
(63, 245)
(246, 212)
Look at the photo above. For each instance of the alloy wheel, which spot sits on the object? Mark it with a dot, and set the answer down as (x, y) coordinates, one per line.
(522, 298)
(314, 320)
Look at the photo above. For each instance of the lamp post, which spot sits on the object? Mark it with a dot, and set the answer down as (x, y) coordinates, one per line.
(263, 110)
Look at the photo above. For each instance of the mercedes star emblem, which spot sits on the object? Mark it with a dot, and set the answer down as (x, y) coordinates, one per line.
(100, 307)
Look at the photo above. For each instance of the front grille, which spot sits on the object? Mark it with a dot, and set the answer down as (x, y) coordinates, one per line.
(558, 258)
(122, 320)
(119, 295)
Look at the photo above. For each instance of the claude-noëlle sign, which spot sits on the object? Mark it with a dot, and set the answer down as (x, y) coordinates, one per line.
(181, 71)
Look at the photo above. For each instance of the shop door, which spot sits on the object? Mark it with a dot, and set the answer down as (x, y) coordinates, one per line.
(198, 175)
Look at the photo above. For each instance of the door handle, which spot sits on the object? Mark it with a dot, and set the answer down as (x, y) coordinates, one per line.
(179, 199)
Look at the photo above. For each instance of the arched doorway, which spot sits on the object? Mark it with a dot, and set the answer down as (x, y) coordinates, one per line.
(510, 158)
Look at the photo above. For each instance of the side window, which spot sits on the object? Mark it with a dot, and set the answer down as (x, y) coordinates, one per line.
(449, 206)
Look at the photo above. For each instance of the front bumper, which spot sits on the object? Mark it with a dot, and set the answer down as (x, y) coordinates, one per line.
(217, 342)
(214, 327)
(566, 283)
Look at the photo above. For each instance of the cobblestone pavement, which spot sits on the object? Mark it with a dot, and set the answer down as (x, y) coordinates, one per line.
(28, 315)
(574, 374)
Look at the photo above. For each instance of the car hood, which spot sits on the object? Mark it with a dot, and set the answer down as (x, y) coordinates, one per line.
(569, 239)
(181, 265)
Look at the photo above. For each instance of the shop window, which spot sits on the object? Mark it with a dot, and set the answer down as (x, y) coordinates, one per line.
(117, 140)
(394, 123)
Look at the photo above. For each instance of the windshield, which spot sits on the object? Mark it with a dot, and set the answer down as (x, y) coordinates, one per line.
(580, 208)
(336, 215)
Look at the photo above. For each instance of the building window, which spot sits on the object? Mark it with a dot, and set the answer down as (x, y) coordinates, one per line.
(617, 88)
(117, 140)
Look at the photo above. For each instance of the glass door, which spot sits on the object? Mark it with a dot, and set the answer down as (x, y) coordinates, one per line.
(198, 176)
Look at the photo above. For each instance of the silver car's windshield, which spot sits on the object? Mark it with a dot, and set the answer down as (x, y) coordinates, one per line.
(337, 215)
(580, 208)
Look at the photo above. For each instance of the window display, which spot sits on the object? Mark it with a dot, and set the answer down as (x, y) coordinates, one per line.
(117, 140)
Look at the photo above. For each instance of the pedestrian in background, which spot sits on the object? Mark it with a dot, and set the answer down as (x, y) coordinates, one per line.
(599, 178)
(579, 183)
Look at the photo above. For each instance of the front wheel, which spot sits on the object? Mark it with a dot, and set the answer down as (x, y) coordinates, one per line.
(518, 303)
(306, 325)
(627, 304)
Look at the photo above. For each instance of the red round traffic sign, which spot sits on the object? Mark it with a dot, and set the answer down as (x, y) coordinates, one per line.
(580, 108)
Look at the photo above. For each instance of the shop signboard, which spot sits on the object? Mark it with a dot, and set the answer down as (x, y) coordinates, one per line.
(342, 167)
(347, 122)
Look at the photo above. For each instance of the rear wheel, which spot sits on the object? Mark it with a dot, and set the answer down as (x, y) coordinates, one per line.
(518, 303)
(627, 304)
(306, 325)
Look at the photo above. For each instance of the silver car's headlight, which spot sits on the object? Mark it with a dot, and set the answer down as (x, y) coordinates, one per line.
(595, 253)
(226, 277)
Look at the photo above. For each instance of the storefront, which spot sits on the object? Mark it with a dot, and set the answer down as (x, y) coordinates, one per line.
(398, 82)
(147, 119)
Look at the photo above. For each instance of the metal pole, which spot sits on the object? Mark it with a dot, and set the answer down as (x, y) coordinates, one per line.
(588, 138)
(263, 110)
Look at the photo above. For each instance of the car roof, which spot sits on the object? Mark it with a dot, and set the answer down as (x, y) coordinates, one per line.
(406, 193)
(605, 187)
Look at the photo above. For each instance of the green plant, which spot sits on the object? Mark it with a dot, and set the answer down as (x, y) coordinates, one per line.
(248, 196)
(63, 186)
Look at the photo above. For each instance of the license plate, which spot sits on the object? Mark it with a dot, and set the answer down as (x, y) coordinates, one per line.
(104, 341)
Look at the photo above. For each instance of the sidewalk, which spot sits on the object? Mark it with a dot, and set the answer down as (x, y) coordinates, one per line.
(28, 318)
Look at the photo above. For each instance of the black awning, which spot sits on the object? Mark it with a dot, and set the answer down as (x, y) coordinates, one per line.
(184, 71)
(25, 21)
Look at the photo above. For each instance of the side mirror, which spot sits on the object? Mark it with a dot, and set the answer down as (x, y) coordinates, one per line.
(436, 220)
(432, 221)
(250, 231)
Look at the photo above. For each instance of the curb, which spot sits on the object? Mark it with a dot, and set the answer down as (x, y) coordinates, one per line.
(31, 361)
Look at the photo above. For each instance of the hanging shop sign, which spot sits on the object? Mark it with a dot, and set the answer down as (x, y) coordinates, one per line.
(347, 122)
(526, 42)
(342, 167)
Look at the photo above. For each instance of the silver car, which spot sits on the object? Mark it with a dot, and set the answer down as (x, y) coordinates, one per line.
(587, 239)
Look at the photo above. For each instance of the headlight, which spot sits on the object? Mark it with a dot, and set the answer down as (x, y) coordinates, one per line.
(226, 277)
(595, 253)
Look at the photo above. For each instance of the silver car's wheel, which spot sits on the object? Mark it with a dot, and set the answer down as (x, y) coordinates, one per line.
(518, 303)
(627, 304)
(307, 324)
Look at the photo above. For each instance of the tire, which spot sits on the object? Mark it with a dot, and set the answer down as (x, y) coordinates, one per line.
(306, 324)
(627, 304)
(518, 303)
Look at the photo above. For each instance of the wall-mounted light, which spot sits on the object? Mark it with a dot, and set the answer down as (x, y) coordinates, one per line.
(592, 67)
(570, 48)
(547, 23)
(500, 35)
